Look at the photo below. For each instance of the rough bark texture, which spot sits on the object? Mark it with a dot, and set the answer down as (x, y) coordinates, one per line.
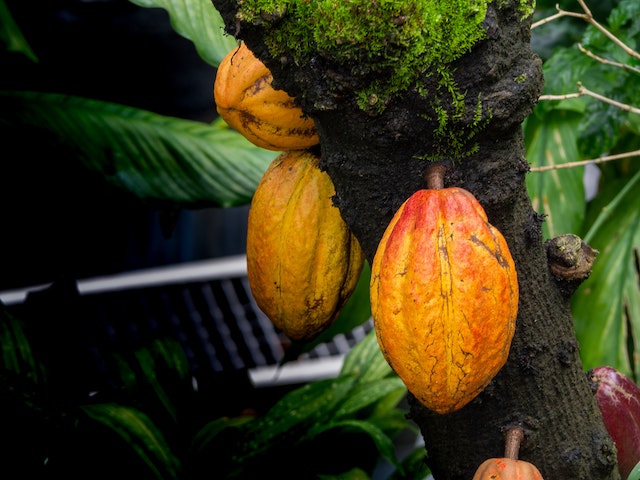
(374, 161)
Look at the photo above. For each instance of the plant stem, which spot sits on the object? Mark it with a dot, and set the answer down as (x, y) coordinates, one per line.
(512, 441)
(435, 176)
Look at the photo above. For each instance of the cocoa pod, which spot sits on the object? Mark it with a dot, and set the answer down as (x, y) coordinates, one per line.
(618, 399)
(266, 117)
(508, 467)
(444, 297)
(303, 262)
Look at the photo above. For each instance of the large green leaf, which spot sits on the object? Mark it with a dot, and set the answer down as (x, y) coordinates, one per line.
(291, 418)
(559, 194)
(606, 308)
(157, 158)
(139, 433)
(200, 22)
(364, 395)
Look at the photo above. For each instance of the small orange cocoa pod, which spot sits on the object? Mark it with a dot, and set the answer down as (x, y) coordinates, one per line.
(444, 297)
(303, 262)
(266, 117)
(509, 467)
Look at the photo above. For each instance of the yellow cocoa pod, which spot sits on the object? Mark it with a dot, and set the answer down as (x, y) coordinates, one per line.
(267, 117)
(303, 262)
(444, 297)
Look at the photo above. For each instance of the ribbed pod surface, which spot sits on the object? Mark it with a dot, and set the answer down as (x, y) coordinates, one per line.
(246, 100)
(303, 262)
(444, 297)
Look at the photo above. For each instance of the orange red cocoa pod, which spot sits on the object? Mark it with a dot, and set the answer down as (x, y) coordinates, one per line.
(266, 117)
(444, 297)
(303, 262)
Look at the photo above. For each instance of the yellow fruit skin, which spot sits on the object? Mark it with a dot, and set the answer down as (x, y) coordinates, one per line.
(303, 262)
(444, 297)
(267, 117)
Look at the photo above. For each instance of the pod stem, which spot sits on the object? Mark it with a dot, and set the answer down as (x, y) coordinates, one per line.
(434, 176)
(512, 441)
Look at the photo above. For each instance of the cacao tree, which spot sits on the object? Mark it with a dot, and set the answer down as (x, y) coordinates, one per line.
(393, 87)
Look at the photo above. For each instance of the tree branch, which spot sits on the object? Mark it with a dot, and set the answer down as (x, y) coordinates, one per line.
(582, 163)
(606, 61)
(587, 16)
(582, 90)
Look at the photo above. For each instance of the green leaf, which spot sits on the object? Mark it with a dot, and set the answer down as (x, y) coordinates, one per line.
(200, 22)
(157, 158)
(392, 421)
(291, 418)
(171, 353)
(366, 394)
(365, 361)
(155, 373)
(210, 432)
(623, 22)
(562, 32)
(413, 466)
(17, 355)
(606, 307)
(602, 124)
(635, 473)
(559, 194)
(140, 434)
(126, 372)
(600, 129)
(387, 406)
(148, 366)
(11, 34)
(562, 72)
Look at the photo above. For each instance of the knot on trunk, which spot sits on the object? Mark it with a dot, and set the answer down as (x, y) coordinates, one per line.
(570, 260)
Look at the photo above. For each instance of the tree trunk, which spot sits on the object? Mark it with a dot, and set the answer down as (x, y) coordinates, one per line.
(377, 159)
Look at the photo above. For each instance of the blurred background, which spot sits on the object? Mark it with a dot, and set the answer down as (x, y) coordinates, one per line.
(127, 55)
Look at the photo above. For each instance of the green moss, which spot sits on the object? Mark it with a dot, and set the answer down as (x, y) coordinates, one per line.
(520, 78)
(398, 40)
(526, 7)
(454, 137)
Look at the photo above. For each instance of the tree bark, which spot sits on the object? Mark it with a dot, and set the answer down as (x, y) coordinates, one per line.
(377, 160)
